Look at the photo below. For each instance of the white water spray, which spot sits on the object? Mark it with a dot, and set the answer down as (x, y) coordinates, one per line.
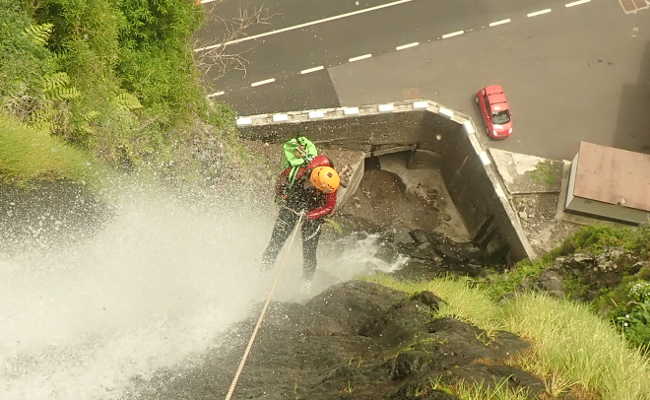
(155, 288)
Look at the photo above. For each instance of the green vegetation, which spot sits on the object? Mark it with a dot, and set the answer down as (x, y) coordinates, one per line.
(596, 239)
(571, 347)
(113, 78)
(28, 154)
(547, 172)
(623, 304)
(465, 391)
(501, 284)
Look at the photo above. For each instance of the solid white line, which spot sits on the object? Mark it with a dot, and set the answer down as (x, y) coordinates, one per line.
(540, 12)
(215, 94)
(359, 58)
(207, 1)
(452, 34)
(576, 3)
(310, 70)
(264, 82)
(500, 22)
(407, 46)
(306, 24)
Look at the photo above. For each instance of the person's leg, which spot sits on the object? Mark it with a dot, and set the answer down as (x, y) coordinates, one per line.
(310, 236)
(283, 226)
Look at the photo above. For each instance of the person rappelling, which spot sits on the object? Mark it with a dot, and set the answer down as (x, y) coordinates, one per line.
(306, 191)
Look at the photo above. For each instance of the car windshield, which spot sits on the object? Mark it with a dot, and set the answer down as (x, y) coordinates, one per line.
(501, 117)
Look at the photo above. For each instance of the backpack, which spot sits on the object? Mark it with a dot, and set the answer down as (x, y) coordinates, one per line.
(298, 152)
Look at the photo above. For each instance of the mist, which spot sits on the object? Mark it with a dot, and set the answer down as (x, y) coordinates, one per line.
(155, 287)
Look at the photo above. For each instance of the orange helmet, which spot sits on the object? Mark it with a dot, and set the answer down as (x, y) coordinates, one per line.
(325, 179)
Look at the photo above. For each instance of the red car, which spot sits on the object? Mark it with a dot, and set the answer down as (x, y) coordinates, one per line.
(495, 110)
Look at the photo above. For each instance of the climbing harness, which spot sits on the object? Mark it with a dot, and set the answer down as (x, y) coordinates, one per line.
(240, 368)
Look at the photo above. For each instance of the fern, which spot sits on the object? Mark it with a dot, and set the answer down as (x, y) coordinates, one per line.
(55, 81)
(91, 115)
(39, 33)
(57, 87)
(128, 101)
(64, 93)
(43, 118)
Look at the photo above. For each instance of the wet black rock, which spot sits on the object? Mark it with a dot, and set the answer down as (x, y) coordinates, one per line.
(587, 274)
(356, 340)
(432, 254)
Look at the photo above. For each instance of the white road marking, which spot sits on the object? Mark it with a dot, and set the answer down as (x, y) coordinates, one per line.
(306, 24)
(452, 34)
(244, 121)
(407, 46)
(359, 58)
(280, 117)
(540, 12)
(216, 94)
(207, 1)
(386, 107)
(264, 82)
(310, 70)
(350, 110)
(500, 22)
(576, 3)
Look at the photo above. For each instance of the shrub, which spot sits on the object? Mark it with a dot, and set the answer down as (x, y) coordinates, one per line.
(595, 239)
(25, 59)
(634, 318)
(155, 60)
(115, 77)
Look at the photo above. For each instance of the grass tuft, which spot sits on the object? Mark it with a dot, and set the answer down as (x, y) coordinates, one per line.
(570, 345)
(28, 154)
(572, 342)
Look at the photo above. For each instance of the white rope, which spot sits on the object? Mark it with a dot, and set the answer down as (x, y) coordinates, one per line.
(263, 313)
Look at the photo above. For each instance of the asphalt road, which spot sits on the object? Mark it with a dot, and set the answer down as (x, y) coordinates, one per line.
(574, 73)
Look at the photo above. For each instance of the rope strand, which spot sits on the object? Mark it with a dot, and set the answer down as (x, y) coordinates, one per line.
(240, 368)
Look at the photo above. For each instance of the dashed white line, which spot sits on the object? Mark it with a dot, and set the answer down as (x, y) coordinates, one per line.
(452, 34)
(540, 12)
(359, 58)
(310, 70)
(500, 22)
(306, 24)
(216, 94)
(264, 82)
(407, 46)
(576, 3)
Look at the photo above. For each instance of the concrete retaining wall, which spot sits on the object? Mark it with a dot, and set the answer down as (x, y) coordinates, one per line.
(408, 125)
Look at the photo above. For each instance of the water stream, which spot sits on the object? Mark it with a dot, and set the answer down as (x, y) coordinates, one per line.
(155, 288)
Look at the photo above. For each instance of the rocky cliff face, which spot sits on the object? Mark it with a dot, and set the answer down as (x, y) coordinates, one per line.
(357, 340)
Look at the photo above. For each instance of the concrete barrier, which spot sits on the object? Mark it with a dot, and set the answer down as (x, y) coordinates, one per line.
(413, 125)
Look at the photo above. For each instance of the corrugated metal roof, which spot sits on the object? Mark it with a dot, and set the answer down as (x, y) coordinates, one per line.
(613, 176)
